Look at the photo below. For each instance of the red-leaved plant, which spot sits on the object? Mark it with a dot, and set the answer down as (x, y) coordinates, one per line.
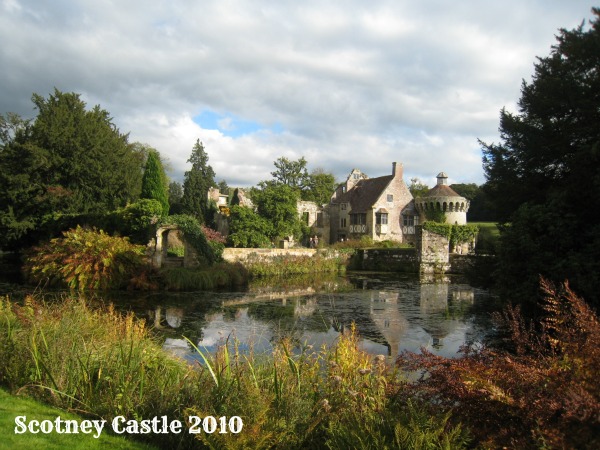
(542, 392)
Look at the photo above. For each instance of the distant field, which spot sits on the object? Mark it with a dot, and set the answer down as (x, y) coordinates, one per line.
(489, 235)
(12, 406)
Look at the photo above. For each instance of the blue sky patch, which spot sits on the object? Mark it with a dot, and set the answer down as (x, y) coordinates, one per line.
(230, 125)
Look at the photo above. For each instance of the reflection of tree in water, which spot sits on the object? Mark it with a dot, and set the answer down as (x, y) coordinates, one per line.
(289, 318)
(316, 282)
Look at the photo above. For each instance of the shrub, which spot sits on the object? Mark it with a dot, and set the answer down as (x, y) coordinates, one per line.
(86, 259)
(541, 391)
(138, 219)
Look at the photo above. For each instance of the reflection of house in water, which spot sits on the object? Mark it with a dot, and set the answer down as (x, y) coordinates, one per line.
(434, 307)
(387, 319)
(305, 307)
(464, 295)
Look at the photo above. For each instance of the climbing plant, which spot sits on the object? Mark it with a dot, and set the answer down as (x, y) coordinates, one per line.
(191, 228)
(456, 234)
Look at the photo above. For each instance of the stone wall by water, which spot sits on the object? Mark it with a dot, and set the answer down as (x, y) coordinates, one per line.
(242, 254)
(386, 260)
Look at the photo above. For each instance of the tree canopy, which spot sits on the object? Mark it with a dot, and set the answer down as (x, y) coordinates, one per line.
(321, 186)
(291, 173)
(196, 184)
(67, 160)
(544, 177)
(154, 181)
(278, 203)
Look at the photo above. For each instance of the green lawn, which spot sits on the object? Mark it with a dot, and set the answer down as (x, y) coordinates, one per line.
(12, 406)
(489, 235)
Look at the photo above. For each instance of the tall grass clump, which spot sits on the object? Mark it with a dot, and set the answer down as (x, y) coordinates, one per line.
(89, 259)
(91, 361)
(334, 398)
(540, 391)
(284, 265)
(218, 276)
(99, 363)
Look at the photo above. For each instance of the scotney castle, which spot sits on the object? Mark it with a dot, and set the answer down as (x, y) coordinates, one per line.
(381, 208)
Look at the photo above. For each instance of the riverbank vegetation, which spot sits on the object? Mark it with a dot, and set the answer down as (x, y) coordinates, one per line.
(537, 389)
(101, 364)
(280, 266)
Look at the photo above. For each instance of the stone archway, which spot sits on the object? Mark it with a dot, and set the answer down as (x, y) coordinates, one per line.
(160, 246)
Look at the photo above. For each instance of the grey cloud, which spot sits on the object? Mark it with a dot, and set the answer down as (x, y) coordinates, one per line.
(353, 84)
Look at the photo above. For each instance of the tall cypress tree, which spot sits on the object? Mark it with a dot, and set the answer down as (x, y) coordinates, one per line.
(154, 181)
(196, 184)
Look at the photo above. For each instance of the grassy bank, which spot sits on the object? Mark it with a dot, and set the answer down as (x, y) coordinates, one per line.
(12, 406)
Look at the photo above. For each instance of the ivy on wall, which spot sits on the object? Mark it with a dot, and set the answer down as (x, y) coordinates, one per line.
(192, 230)
(456, 234)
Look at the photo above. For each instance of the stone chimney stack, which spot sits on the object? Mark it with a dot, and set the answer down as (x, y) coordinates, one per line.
(397, 170)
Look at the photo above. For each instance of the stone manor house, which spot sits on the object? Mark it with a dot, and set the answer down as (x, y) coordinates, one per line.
(382, 208)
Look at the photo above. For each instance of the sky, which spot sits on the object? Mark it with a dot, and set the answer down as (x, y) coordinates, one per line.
(344, 84)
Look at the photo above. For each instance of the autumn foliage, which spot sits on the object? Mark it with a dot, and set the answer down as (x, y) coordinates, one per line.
(540, 391)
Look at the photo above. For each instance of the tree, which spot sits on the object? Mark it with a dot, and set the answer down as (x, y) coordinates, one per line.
(480, 207)
(154, 181)
(291, 173)
(320, 187)
(196, 184)
(223, 187)
(235, 199)
(68, 160)
(544, 177)
(278, 203)
(247, 229)
(175, 197)
(417, 188)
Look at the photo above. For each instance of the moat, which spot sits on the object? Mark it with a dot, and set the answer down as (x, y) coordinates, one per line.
(392, 313)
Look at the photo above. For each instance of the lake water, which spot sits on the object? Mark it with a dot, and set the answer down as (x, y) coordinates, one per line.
(392, 313)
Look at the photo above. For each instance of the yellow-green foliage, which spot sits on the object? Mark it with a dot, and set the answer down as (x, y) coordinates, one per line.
(217, 276)
(105, 364)
(85, 259)
(289, 264)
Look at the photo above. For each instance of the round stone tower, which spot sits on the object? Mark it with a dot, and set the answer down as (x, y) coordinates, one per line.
(442, 198)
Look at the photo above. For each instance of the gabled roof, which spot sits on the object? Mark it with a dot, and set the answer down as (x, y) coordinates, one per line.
(365, 193)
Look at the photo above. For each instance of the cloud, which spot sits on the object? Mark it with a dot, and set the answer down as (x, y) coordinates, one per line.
(345, 84)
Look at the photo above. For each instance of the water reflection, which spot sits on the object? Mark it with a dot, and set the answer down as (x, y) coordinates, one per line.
(392, 314)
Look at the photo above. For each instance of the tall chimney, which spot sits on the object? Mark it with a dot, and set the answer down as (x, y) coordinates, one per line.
(397, 170)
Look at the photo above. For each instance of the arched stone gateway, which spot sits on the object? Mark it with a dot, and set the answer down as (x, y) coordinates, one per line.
(158, 249)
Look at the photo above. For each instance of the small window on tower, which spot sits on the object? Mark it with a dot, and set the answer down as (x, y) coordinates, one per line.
(390, 198)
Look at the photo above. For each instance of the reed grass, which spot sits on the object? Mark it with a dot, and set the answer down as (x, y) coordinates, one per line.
(100, 363)
(292, 265)
(217, 276)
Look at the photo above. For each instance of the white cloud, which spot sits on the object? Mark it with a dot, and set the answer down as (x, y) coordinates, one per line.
(346, 84)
